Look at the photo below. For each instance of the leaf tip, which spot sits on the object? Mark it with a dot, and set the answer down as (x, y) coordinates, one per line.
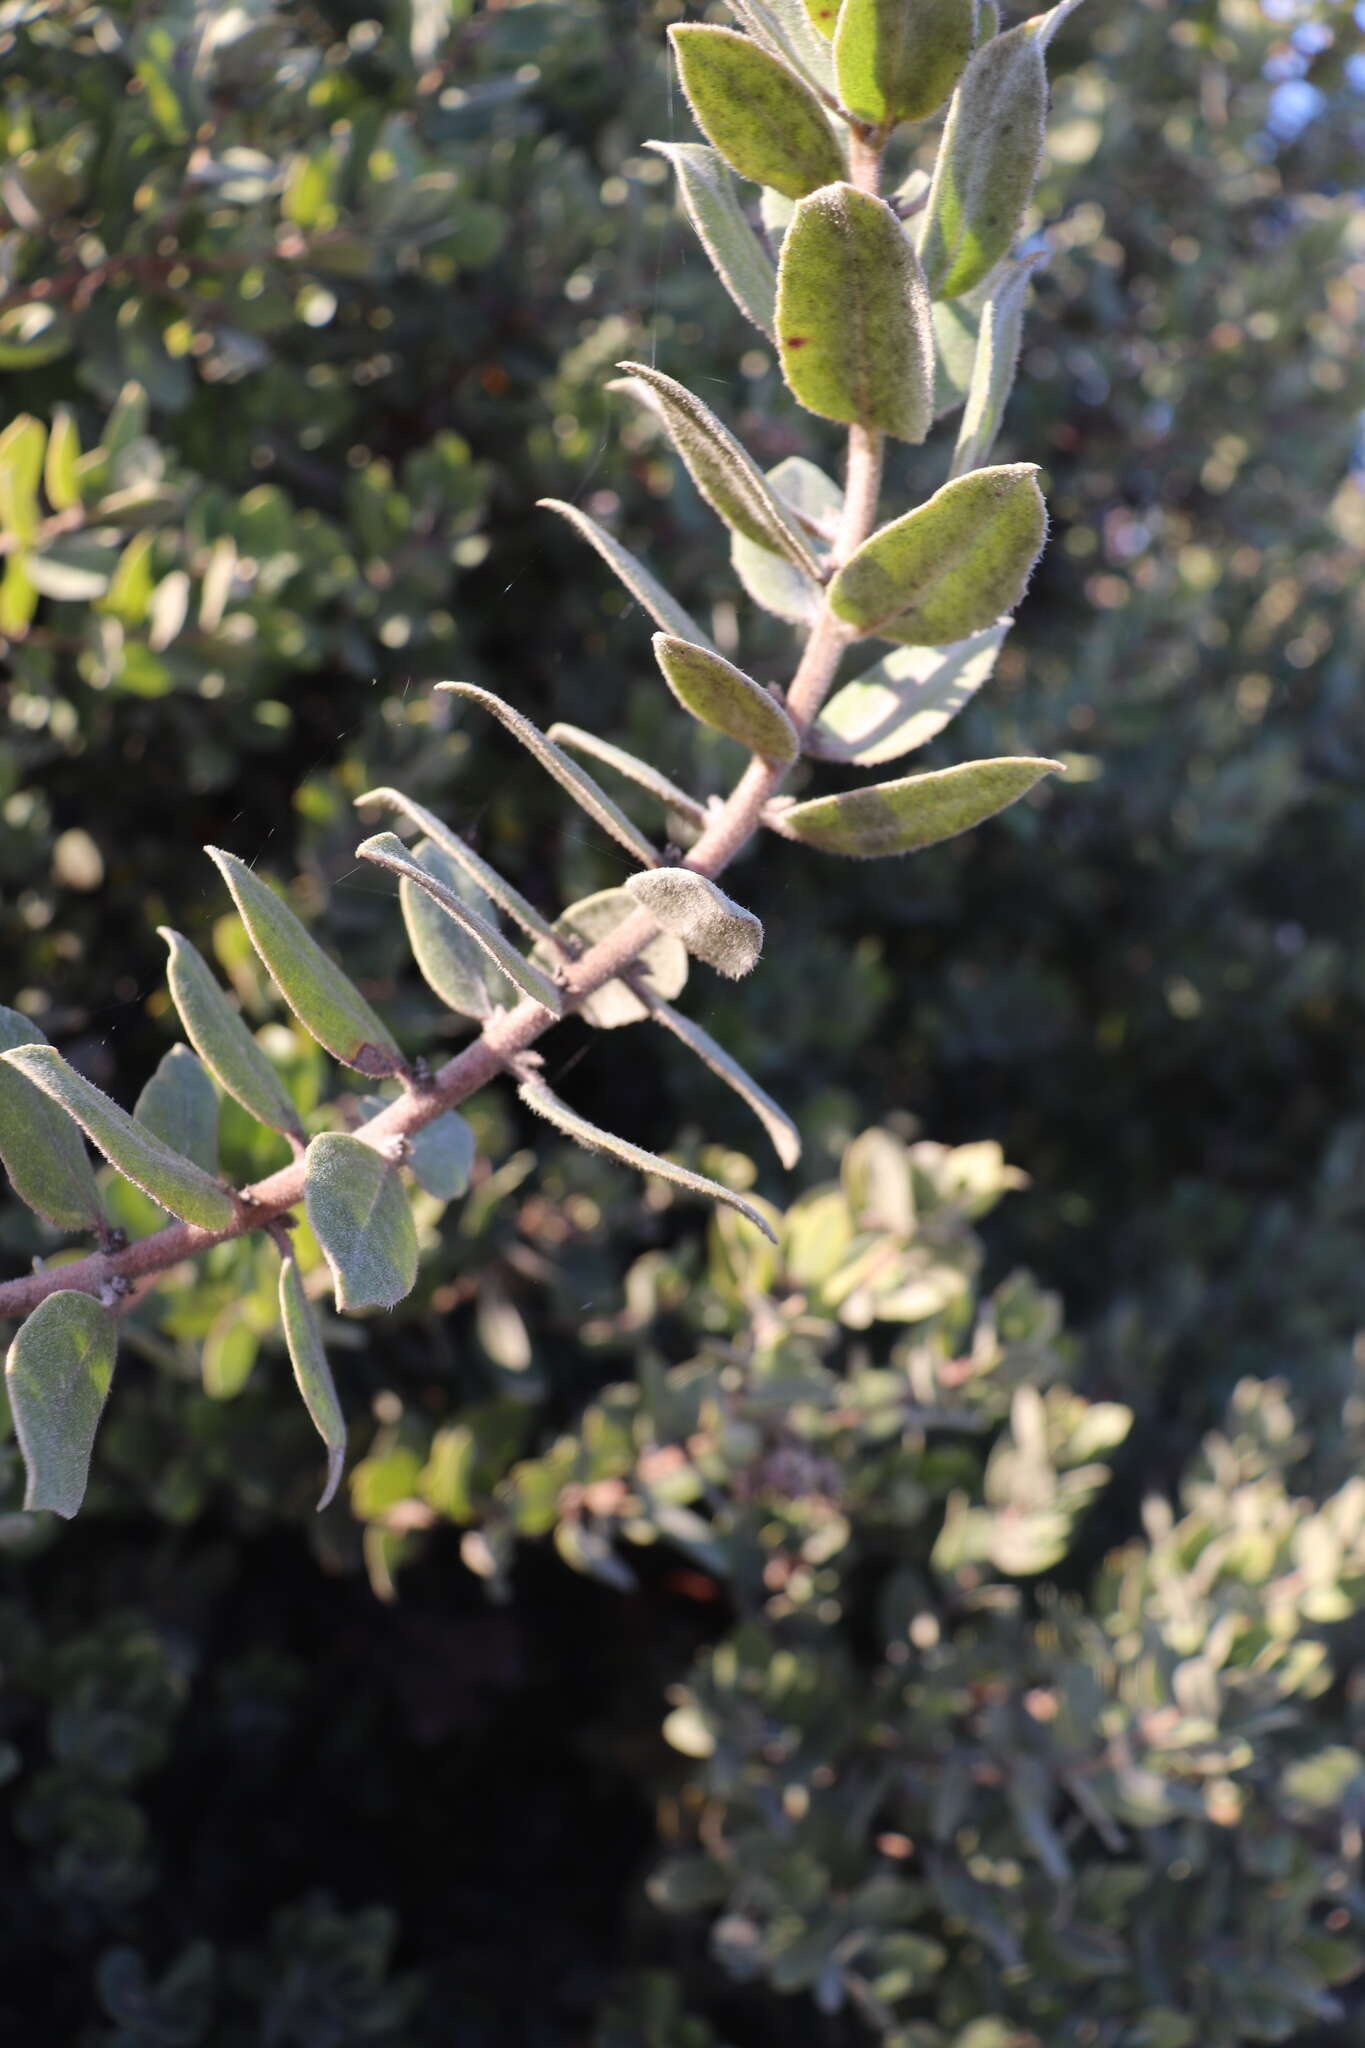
(336, 1462)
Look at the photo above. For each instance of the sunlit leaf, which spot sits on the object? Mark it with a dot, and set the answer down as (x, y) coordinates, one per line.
(179, 1106)
(739, 259)
(312, 1373)
(899, 62)
(222, 1041)
(42, 1149)
(765, 122)
(723, 697)
(904, 701)
(987, 162)
(57, 1375)
(662, 963)
(386, 850)
(360, 1216)
(919, 810)
(710, 925)
(486, 878)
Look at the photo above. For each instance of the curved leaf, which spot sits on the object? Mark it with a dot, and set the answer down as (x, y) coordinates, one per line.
(40, 1146)
(488, 879)
(312, 1373)
(325, 1002)
(904, 701)
(663, 961)
(722, 696)
(994, 364)
(174, 1182)
(737, 256)
(538, 1097)
(950, 567)
(642, 772)
(179, 1106)
(360, 1217)
(765, 122)
(222, 1041)
(643, 587)
(853, 322)
(386, 850)
(457, 966)
(57, 1375)
(710, 925)
(580, 786)
(987, 162)
(786, 1139)
(919, 810)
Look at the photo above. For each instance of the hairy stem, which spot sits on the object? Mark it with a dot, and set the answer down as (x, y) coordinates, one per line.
(512, 1033)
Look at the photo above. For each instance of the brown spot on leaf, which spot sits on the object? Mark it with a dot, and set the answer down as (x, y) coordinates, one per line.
(795, 340)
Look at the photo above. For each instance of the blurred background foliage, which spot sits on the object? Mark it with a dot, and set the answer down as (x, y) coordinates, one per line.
(823, 1644)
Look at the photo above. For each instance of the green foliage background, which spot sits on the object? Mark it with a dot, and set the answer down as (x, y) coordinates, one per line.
(271, 1779)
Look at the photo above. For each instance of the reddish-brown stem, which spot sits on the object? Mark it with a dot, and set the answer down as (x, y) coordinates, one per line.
(512, 1033)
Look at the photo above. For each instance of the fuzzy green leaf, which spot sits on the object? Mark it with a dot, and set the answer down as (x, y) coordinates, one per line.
(853, 323)
(766, 124)
(488, 879)
(643, 587)
(40, 1146)
(581, 787)
(824, 15)
(725, 475)
(957, 327)
(179, 1106)
(538, 1097)
(175, 1183)
(454, 964)
(904, 701)
(950, 567)
(737, 256)
(360, 1217)
(325, 1002)
(722, 696)
(57, 1374)
(900, 817)
(663, 961)
(898, 60)
(987, 162)
(222, 1040)
(712, 928)
(993, 367)
(642, 772)
(789, 30)
(441, 1156)
(786, 1139)
(773, 581)
(312, 1373)
(386, 850)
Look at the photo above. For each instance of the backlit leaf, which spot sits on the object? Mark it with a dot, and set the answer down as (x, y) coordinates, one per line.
(325, 1002)
(722, 696)
(486, 878)
(987, 162)
(222, 1041)
(662, 962)
(313, 1374)
(171, 1180)
(950, 567)
(765, 122)
(853, 322)
(386, 850)
(57, 1375)
(904, 701)
(714, 929)
(897, 61)
(60, 479)
(42, 1149)
(994, 364)
(179, 1106)
(900, 817)
(360, 1216)
(737, 256)
(22, 447)
(538, 1097)
(724, 474)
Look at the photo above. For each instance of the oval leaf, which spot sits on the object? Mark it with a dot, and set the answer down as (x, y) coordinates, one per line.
(320, 995)
(773, 581)
(488, 879)
(580, 786)
(898, 62)
(643, 587)
(441, 1156)
(737, 256)
(904, 701)
(179, 1106)
(454, 964)
(900, 817)
(57, 1374)
(388, 851)
(711, 927)
(950, 567)
(987, 162)
(766, 124)
(853, 321)
(663, 961)
(538, 1097)
(635, 770)
(360, 1217)
(60, 479)
(176, 1183)
(222, 1040)
(41, 1148)
(722, 696)
(312, 1373)
(786, 1139)
(725, 475)
(993, 367)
